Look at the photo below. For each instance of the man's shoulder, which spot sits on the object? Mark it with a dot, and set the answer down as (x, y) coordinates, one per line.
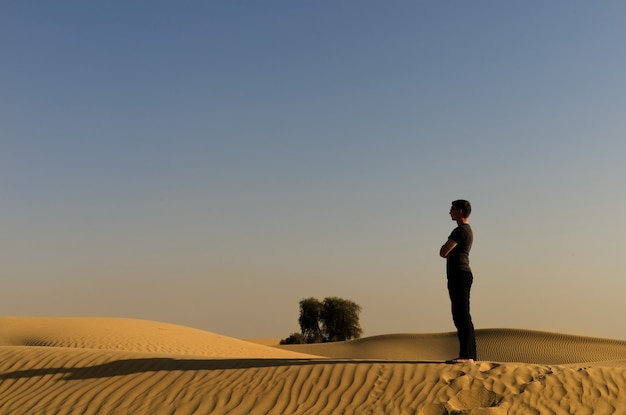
(460, 232)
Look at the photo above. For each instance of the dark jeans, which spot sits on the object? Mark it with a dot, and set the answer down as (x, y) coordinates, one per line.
(459, 285)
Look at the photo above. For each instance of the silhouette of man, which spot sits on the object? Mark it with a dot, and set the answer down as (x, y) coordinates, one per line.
(456, 251)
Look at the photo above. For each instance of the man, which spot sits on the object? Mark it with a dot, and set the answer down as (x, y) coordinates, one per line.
(456, 251)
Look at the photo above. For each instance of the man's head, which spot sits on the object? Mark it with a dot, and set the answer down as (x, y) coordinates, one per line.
(462, 206)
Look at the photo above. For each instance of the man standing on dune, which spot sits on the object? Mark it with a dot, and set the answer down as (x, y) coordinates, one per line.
(456, 251)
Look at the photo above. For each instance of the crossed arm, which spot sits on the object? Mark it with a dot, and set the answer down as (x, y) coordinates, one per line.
(446, 248)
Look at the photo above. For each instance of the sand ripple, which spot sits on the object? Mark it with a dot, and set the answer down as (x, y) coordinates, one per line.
(69, 372)
(496, 345)
(127, 335)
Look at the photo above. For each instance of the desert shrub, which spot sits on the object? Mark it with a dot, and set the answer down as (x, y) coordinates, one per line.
(294, 338)
(310, 313)
(334, 319)
(340, 319)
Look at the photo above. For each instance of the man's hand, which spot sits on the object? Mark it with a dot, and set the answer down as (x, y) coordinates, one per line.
(447, 248)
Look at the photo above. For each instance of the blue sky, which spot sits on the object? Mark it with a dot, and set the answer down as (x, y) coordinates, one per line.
(212, 163)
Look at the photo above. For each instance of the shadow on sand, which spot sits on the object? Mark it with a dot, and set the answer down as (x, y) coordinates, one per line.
(143, 365)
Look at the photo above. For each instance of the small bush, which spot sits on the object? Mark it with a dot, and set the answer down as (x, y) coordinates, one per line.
(295, 338)
(331, 320)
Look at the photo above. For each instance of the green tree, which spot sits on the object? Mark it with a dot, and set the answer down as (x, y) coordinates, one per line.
(310, 312)
(331, 320)
(340, 319)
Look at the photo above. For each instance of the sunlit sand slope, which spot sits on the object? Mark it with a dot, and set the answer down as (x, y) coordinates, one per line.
(128, 335)
(75, 381)
(68, 373)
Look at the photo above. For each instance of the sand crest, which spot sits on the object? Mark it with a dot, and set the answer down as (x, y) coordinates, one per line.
(495, 345)
(129, 335)
(123, 366)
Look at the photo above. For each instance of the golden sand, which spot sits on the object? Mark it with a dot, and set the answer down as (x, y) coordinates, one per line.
(124, 366)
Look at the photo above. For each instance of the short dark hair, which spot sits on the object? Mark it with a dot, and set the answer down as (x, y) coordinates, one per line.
(463, 205)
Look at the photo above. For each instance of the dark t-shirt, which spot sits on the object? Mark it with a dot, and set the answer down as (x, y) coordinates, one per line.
(458, 258)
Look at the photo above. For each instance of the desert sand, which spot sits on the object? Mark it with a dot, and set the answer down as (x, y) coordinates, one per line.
(126, 366)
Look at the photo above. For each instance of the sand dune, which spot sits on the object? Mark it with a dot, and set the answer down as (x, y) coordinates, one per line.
(123, 366)
(495, 345)
(128, 335)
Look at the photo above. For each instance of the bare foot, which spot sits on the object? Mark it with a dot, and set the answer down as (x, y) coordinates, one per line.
(460, 361)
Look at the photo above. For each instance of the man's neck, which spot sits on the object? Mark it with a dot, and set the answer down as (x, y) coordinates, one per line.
(462, 221)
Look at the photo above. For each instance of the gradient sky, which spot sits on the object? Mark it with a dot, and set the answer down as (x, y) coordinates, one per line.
(210, 164)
